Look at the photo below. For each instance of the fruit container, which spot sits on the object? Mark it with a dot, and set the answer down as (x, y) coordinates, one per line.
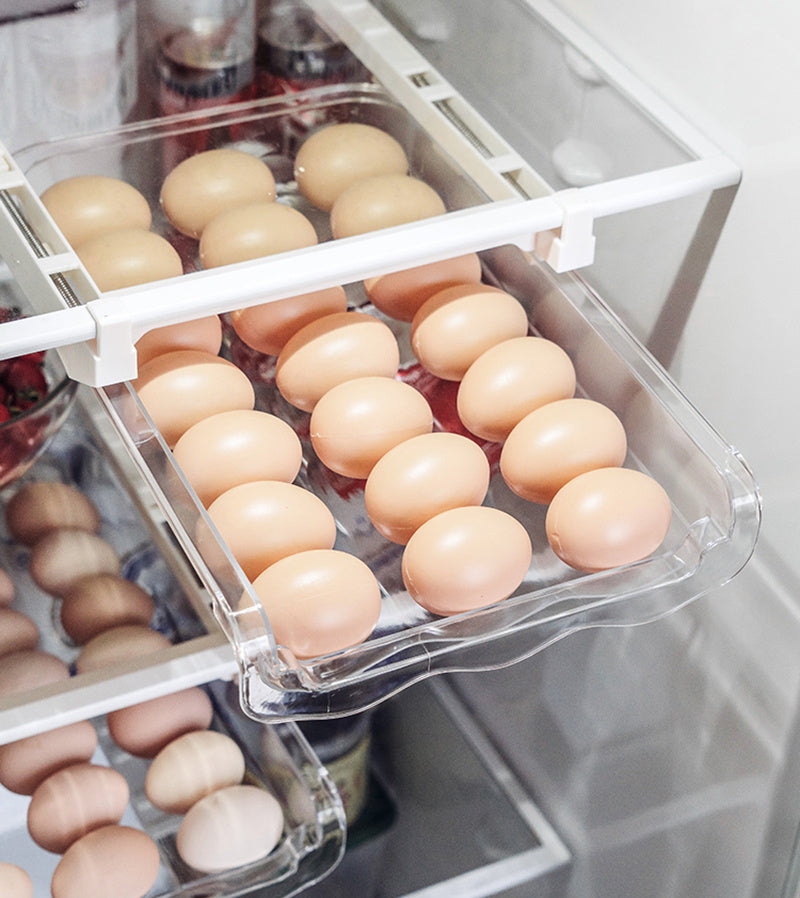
(715, 507)
(26, 428)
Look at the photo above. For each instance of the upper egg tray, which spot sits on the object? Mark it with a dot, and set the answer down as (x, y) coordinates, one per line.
(715, 502)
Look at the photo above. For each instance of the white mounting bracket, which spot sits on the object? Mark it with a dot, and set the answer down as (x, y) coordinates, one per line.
(572, 245)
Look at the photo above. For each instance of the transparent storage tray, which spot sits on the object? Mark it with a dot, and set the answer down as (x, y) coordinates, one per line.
(716, 509)
(277, 759)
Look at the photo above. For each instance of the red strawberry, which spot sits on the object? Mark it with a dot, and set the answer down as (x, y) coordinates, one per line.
(26, 380)
(5, 413)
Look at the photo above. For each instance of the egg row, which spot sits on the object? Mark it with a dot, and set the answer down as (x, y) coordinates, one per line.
(226, 199)
(557, 449)
(76, 806)
(242, 462)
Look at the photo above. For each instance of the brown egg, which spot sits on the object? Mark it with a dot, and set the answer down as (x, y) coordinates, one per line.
(509, 380)
(129, 257)
(264, 521)
(74, 801)
(320, 601)
(401, 293)
(267, 327)
(458, 324)
(422, 477)
(250, 818)
(252, 231)
(332, 350)
(239, 446)
(360, 420)
(606, 518)
(27, 762)
(85, 206)
(113, 860)
(145, 728)
(208, 183)
(180, 388)
(383, 201)
(202, 333)
(557, 442)
(466, 558)
(7, 589)
(120, 643)
(18, 632)
(30, 669)
(14, 881)
(43, 505)
(338, 155)
(191, 767)
(101, 601)
(65, 555)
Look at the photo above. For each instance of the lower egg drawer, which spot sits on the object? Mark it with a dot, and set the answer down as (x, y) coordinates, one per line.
(281, 814)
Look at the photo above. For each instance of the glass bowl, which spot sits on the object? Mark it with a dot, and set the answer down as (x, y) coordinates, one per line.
(24, 436)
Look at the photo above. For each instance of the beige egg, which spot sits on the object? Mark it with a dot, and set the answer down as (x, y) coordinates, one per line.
(357, 422)
(27, 762)
(101, 601)
(338, 155)
(229, 828)
(268, 327)
(201, 333)
(191, 767)
(235, 447)
(29, 669)
(128, 257)
(401, 293)
(74, 801)
(65, 555)
(509, 380)
(557, 442)
(319, 602)
(383, 201)
(607, 518)
(332, 350)
(117, 644)
(458, 324)
(43, 505)
(252, 231)
(114, 860)
(180, 388)
(86, 206)
(14, 881)
(422, 477)
(208, 183)
(466, 558)
(18, 632)
(7, 589)
(145, 728)
(264, 521)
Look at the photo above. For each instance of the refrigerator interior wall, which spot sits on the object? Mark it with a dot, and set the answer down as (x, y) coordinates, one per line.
(705, 308)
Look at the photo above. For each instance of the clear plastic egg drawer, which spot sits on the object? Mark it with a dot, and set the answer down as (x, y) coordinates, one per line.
(278, 760)
(715, 505)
